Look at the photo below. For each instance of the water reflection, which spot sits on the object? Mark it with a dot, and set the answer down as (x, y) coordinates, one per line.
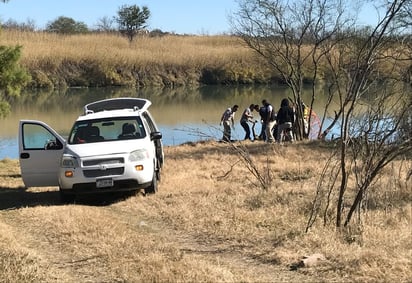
(183, 114)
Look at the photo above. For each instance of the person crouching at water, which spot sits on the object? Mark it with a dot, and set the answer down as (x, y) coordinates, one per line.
(228, 121)
(247, 116)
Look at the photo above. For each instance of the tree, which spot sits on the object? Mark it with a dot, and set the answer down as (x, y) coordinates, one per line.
(29, 25)
(371, 142)
(131, 20)
(65, 25)
(363, 73)
(105, 24)
(293, 38)
(12, 76)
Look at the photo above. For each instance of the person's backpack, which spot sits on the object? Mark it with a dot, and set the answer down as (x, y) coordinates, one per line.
(263, 113)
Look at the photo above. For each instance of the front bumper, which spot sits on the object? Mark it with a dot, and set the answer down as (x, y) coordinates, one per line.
(123, 174)
(118, 186)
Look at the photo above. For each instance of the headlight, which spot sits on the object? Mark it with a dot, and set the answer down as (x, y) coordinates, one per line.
(138, 155)
(69, 162)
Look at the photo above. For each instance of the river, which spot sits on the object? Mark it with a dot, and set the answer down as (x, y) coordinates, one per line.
(182, 114)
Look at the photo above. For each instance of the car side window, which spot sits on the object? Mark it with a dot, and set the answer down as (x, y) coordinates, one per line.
(149, 122)
(37, 137)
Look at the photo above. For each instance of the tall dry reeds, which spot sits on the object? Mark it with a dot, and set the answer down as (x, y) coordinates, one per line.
(147, 55)
(109, 59)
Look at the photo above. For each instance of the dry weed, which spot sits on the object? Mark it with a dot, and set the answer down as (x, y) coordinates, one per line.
(205, 227)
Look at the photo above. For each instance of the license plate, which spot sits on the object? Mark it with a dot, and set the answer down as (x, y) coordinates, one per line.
(104, 183)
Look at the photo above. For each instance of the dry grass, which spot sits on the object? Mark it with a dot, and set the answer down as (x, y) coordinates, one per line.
(115, 49)
(208, 223)
(107, 59)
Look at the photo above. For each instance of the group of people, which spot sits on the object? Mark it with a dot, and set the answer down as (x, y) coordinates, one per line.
(274, 124)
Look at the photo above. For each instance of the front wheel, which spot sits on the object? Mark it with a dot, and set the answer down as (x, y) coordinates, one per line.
(152, 189)
(158, 175)
(67, 198)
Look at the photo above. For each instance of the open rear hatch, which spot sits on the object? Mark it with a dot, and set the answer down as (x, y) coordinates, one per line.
(117, 104)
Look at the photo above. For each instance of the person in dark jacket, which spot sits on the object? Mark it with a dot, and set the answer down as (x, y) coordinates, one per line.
(267, 116)
(285, 119)
(263, 118)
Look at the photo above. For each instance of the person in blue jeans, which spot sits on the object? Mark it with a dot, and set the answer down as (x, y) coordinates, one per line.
(247, 117)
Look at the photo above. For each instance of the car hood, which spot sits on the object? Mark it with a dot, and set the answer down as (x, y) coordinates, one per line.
(103, 148)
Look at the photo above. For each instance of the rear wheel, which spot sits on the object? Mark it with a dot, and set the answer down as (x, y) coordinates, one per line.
(152, 189)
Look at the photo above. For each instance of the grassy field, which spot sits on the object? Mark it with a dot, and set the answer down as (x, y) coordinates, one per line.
(97, 60)
(108, 59)
(207, 223)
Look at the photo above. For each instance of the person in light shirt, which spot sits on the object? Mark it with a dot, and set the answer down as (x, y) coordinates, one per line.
(270, 122)
(228, 122)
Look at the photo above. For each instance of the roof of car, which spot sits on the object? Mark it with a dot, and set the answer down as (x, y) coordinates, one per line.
(123, 103)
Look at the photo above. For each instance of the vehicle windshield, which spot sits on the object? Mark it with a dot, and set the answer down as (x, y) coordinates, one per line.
(107, 129)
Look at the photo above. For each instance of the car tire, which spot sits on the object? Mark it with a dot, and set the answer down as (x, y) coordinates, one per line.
(152, 189)
(158, 175)
(67, 198)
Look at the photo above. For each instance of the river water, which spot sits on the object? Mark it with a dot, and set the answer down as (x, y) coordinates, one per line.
(182, 114)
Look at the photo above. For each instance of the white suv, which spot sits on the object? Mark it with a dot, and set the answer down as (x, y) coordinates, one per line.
(114, 146)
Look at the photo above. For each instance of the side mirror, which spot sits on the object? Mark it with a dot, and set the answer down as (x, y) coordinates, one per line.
(53, 145)
(155, 136)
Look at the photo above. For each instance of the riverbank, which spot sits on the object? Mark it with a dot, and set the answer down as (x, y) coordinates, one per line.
(209, 222)
(98, 60)
(101, 60)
